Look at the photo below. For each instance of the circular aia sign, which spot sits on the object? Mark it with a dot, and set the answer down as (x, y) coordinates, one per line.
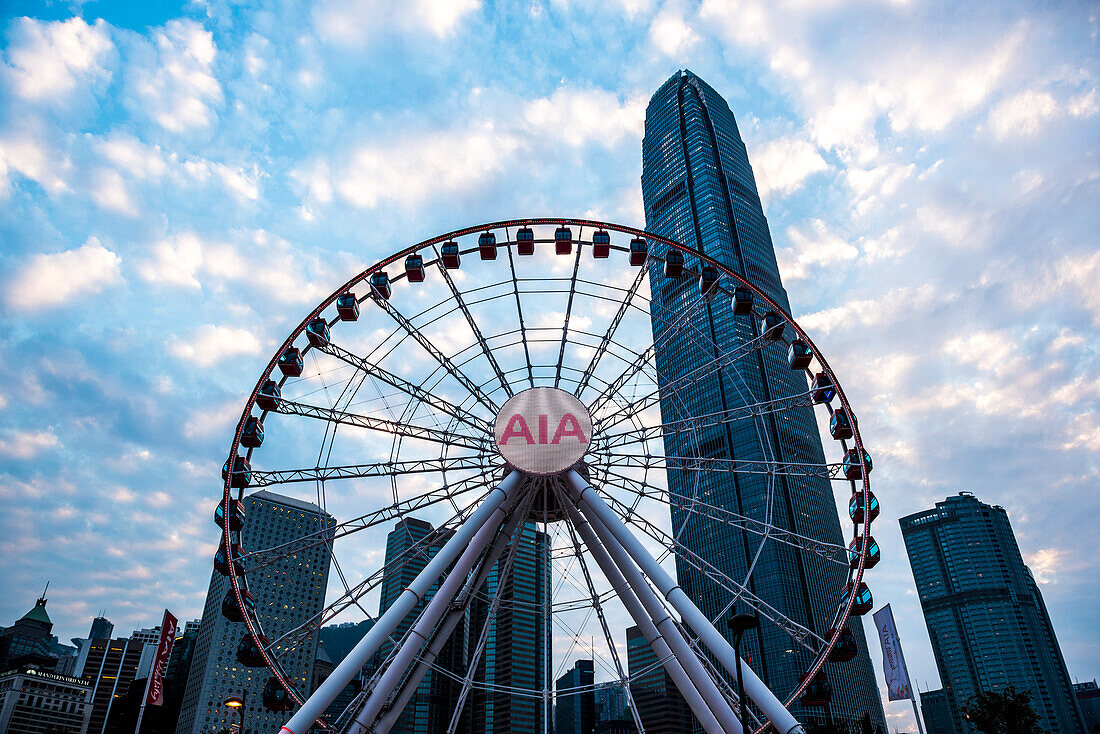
(543, 430)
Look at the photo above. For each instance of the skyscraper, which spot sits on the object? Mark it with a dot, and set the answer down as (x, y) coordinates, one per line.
(109, 667)
(409, 547)
(985, 615)
(517, 652)
(575, 701)
(29, 641)
(698, 188)
(660, 706)
(288, 592)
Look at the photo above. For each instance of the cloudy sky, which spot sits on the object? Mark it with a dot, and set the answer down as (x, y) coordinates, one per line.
(180, 184)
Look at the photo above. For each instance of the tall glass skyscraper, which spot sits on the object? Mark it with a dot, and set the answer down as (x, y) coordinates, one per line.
(698, 188)
(985, 615)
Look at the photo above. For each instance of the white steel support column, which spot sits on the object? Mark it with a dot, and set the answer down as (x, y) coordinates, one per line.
(587, 499)
(713, 703)
(449, 601)
(316, 704)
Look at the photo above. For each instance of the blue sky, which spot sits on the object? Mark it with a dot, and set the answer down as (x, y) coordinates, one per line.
(180, 184)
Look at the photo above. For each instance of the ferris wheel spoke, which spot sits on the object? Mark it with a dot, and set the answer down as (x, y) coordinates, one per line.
(414, 391)
(474, 328)
(522, 323)
(736, 466)
(438, 356)
(568, 312)
(609, 335)
(694, 423)
(642, 360)
(701, 371)
(833, 552)
(258, 559)
(796, 631)
(419, 550)
(396, 428)
(379, 469)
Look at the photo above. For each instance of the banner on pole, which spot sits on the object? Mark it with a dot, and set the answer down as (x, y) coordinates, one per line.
(155, 695)
(893, 662)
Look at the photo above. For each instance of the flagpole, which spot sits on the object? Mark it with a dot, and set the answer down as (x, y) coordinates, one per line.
(916, 713)
(145, 696)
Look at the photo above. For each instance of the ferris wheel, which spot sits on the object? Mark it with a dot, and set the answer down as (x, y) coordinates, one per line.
(514, 378)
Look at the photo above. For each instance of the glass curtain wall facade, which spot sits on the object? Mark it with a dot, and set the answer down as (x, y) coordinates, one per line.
(985, 615)
(698, 188)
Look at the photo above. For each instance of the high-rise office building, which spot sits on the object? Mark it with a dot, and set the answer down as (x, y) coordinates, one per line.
(409, 547)
(611, 702)
(517, 652)
(101, 629)
(1088, 698)
(288, 592)
(985, 615)
(109, 667)
(936, 713)
(661, 708)
(575, 701)
(698, 188)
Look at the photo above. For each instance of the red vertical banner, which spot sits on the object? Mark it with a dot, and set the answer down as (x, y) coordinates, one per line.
(155, 695)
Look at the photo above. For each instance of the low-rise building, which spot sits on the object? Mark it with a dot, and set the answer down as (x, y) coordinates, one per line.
(34, 701)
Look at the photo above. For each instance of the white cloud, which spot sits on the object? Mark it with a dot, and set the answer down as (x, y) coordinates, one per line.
(411, 170)
(49, 280)
(110, 192)
(176, 261)
(177, 89)
(353, 22)
(670, 31)
(1022, 115)
(783, 165)
(210, 344)
(26, 444)
(49, 59)
(580, 116)
(28, 154)
(817, 247)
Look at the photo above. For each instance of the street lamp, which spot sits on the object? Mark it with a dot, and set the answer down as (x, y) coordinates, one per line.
(236, 703)
(741, 623)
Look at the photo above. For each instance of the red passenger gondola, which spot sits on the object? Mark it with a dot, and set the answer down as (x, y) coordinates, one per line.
(845, 647)
(449, 252)
(380, 284)
(252, 437)
(347, 306)
(563, 240)
(525, 241)
(674, 263)
(270, 396)
(221, 564)
(230, 608)
(290, 362)
(639, 250)
(708, 281)
(236, 515)
(414, 268)
(487, 246)
(840, 425)
(601, 244)
(818, 692)
(275, 697)
(249, 651)
(742, 301)
(856, 510)
(318, 333)
(772, 325)
(822, 388)
(799, 355)
(874, 555)
(853, 467)
(864, 601)
(242, 473)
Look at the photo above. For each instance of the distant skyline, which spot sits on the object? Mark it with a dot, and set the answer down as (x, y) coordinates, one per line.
(181, 183)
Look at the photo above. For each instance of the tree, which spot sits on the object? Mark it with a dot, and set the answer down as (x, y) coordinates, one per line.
(1003, 712)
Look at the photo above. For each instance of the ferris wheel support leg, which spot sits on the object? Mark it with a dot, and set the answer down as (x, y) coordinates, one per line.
(316, 704)
(436, 623)
(587, 498)
(691, 680)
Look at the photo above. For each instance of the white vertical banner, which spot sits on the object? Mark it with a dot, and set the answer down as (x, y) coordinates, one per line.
(893, 662)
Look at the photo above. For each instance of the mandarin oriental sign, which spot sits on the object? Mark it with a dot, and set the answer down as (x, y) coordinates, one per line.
(543, 431)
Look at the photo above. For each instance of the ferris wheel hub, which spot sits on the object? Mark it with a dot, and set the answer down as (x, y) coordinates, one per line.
(543, 431)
